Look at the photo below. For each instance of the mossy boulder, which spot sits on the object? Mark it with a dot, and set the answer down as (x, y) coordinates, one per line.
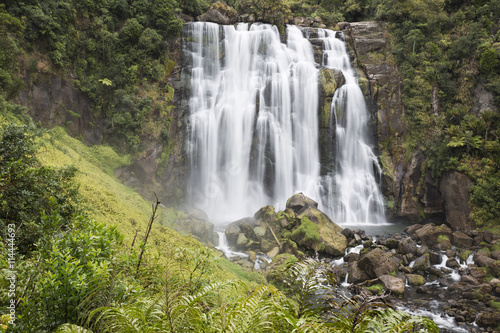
(415, 279)
(430, 235)
(330, 234)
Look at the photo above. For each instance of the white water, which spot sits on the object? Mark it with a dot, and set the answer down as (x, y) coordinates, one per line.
(253, 128)
(253, 124)
(354, 195)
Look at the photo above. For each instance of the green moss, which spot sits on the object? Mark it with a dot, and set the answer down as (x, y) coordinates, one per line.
(378, 288)
(495, 305)
(442, 238)
(307, 232)
(464, 255)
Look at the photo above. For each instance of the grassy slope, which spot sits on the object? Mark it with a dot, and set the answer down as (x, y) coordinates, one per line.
(110, 201)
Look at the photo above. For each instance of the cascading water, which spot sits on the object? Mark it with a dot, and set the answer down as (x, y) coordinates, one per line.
(253, 128)
(253, 124)
(354, 196)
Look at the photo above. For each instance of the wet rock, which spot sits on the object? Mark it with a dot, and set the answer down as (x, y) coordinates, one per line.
(356, 274)
(267, 245)
(460, 239)
(233, 230)
(435, 258)
(393, 243)
(339, 273)
(469, 279)
(415, 279)
(434, 271)
(483, 260)
(489, 236)
(299, 201)
(421, 263)
(351, 257)
(454, 187)
(242, 241)
(377, 263)
(407, 246)
(452, 263)
(394, 284)
(252, 256)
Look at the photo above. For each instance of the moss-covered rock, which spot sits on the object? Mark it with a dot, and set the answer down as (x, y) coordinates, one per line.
(415, 279)
(330, 233)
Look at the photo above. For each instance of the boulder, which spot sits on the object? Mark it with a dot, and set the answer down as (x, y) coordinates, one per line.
(274, 252)
(356, 274)
(488, 319)
(394, 284)
(415, 279)
(377, 263)
(242, 241)
(431, 235)
(452, 263)
(299, 201)
(469, 279)
(483, 260)
(477, 273)
(411, 230)
(266, 214)
(330, 233)
(461, 239)
(259, 232)
(407, 246)
(233, 229)
(421, 263)
(202, 230)
(213, 15)
(454, 187)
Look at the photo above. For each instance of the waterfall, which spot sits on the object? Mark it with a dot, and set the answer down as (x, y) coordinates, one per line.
(354, 196)
(253, 127)
(253, 136)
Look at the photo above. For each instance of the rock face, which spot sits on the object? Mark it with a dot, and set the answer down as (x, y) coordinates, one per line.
(56, 102)
(301, 227)
(454, 187)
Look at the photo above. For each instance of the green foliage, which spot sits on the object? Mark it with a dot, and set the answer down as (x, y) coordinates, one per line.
(269, 11)
(110, 48)
(27, 188)
(10, 33)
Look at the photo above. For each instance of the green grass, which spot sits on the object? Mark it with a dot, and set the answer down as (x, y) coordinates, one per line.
(443, 238)
(109, 201)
